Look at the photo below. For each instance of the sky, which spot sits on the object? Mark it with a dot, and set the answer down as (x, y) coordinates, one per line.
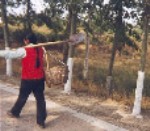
(38, 6)
(106, 1)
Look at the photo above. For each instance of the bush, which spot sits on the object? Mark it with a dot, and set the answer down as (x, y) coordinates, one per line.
(18, 35)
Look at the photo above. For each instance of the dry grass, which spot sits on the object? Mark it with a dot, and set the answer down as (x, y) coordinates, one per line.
(125, 75)
(15, 27)
(42, 29)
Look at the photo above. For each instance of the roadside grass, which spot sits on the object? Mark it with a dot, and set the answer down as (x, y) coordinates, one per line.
(42, 29)
(124, 75)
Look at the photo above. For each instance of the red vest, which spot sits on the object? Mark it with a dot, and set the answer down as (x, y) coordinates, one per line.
(29, 70)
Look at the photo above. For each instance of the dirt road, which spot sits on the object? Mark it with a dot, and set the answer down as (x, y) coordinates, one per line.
(59, 118)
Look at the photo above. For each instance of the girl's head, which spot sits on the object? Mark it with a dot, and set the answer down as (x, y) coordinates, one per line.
(30, 38)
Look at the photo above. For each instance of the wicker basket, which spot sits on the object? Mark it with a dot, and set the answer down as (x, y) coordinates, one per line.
(56, 75)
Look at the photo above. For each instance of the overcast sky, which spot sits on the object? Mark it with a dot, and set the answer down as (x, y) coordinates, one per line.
(38, 6)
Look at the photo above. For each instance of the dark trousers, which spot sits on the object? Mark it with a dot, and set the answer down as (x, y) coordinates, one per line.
(37, 87)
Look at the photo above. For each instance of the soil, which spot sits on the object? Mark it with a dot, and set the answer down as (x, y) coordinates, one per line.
(108, 110)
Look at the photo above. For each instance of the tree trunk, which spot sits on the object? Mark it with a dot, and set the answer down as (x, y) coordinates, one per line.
(141, 74)
(68, 30)
(5, 23)
(85, 70)
(86, 64)
(6, 37)
(118, 39)
(109, 79)
(28, 25)
(67, 87)
(65, 52)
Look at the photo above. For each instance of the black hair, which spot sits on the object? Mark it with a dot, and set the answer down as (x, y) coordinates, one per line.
(32, 38)
(37, 64)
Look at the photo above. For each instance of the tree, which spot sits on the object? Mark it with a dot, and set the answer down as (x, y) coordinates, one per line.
(28, 15)
(6, 36)
(141, 73)
(88, 8)
(73, 11)
(118, 13)
(118, 40)
(54, 11)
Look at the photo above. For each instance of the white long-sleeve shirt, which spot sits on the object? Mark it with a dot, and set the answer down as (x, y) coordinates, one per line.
(12, 54)
(17, 53)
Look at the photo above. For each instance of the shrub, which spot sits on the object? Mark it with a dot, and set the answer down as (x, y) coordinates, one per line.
(18, 35)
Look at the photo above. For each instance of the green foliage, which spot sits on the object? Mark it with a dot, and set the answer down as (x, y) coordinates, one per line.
(18, 35)
(125, 82)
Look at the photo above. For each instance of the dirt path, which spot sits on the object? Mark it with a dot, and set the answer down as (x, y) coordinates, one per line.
(88, 110)
(60, 118)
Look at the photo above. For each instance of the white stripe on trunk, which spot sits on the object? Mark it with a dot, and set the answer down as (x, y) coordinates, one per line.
(138, 95)
(67, 87)
(8, 65)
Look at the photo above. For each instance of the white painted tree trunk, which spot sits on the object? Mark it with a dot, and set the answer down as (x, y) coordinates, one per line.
(86, 64)
(138, 95)
(67, 87)
(109, 85)
(8, 65)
